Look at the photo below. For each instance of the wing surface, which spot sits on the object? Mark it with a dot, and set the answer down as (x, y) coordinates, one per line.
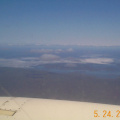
(15, 108)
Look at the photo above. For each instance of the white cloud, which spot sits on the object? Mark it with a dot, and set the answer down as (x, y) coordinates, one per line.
(51, 51)
(59, 51)
(70, 50)
(12, 63)
(98, 60)
(49, 57)
(42, 51)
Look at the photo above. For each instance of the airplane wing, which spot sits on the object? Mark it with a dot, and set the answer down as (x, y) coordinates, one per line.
(16, 108)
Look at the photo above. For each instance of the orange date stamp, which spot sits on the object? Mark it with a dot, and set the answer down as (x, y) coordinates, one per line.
(107, 113)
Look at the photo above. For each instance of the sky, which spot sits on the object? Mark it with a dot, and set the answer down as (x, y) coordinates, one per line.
(61, 22)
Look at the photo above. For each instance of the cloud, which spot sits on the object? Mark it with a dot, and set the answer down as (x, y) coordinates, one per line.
(59, 51)
(49, 57)
(70, 50)
(98, 60)
(28, 62)
(51, 51)
(42, 51)
(13, 63)
(29, 58)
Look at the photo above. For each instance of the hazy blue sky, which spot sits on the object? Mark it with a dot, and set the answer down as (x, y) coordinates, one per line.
(84, 22)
